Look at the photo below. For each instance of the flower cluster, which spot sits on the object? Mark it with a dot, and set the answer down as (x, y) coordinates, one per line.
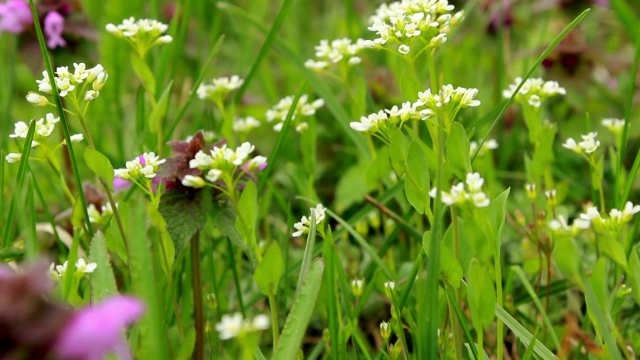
(222, 163)
(303, 108)
(99, 216)
(588, 145)
(302, 227)
(401, 22)
(140, 171)
(234, 325)
(219, 88)
(614, 125)
(244, 125)
(534, 91)
(142, 34)
(613, 223)
(458, 195)
(560, 226)
(449, 99)
(488, 145)
(74, 85)
(82, 267)
(15, 16)
(336, 51)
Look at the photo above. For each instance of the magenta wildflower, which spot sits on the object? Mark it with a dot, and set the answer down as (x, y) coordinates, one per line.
(15, 16)
(98, 330)
(53, 28)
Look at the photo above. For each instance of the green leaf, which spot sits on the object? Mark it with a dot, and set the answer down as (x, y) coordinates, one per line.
(597, 174)
(188, 344)
(352, 186)
(296, 325)
(144, 73)
(185, 214)
(168, 248)
(223, 218)
(598, 281)
(410, 86)
(100, 165)
(497, 212)
(634, 274)
(450, 269)
(416, 181)
(160, 110)
(379, 169)
(482, 295)
(270, 270)
(397, 150)
(523, 334)
(567, 258)
(103, 283)
(458, 149)
(612, 247)
(248, 213)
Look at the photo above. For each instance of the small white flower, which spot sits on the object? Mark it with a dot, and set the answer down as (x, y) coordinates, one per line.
(76, 137)
(37, 99)
(614, 125)
(404, 49)
(193, 181)
(84, 267)
(230, 326)
(13, 157)
(474, 182)
(213, 175)
(261, 322)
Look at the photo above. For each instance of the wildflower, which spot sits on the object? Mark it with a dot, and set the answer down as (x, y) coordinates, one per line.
(389, 288)
(13, 158)
(53, 28)
(219, 88)
(336, 51)
(142, 34)
(385, 330)
(615, 219)
(357, 286)
(135, 169)
(303, 108)
(560, 226)
(404, 49)
(534, 91)
(234, 325)
(588, 145)
(257, 163)
(193, 181)
(68, 83)
(370, 124)
(490, 144)
(84, 267)
(98, 330)
(458, 195)
(99, 217)
(531, 191)
(614, 125)
(37, 99)
(15, 16)
(302, 227)
(244, 125)
(551, 197)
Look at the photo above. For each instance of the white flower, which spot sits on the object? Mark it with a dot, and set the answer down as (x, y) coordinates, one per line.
(234, 325)
(91, 95)
(480, 199)
(589, 144)
(244, 125)
(201, 161)
(614, 125)
(151, 159)
(404, 49)
(474, 182)
(535, 101)
(76, 137)
(302, 227)
(84, 267)
(193, 181)
(61, 269)
(629, 210)
(213, 175)
(37, 99)
(13, 157)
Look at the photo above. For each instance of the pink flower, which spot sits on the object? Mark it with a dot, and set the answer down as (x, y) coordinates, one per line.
(98, 330)
(53, 28)
(15, 16)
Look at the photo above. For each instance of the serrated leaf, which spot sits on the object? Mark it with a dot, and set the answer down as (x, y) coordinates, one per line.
(416, 181)
(158, 113)
(103, 283)
(100, 165)
(144, 73)
(184, 214)
(458, 149)
(270, 270)
(397, 150)
(296, 325)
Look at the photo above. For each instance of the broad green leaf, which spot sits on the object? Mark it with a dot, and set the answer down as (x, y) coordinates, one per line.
(598, 281)
(100, 165)
(567, 258)
(416, 181)
(160, 110)
(168, 248)
(379, 169)
(103, 283)
(612, 247)
(497, 213)
(634, 274)
(188, 344)
(248, 213)
(523, 334)
(458, 149)
(224, 218)
(184, 214)
(397, 150)
(270, 270)
(352, 186)
(482, 295)
(296, 325)
(450, 269)
(144, 73)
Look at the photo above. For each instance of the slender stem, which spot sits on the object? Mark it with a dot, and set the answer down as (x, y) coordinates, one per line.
(85, 129)
(455, 322)
(275, 326)
(236, 278)
(196, 284)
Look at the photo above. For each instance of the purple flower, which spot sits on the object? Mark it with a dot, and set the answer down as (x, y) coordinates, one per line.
(15, 16)
(53, 28)
(98, 330)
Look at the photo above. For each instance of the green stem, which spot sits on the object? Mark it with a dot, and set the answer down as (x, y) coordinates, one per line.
(85, 129)
(275, 326)
(455, 322)
(236, 278)
(196, 284)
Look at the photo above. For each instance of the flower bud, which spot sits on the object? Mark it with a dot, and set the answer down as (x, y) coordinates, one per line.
(37, 99)
(357, 286)
(385, 330)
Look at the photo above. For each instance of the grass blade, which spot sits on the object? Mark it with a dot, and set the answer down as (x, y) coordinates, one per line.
(523, 334)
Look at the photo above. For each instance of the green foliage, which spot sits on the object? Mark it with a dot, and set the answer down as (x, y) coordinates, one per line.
(103, 283)
(100, 165)
(268, 273)
(482, 296)
(458, 151)
(185, 215)
(416, 183)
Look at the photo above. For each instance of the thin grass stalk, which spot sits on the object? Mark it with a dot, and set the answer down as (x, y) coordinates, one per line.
(196, 285)
(61, 114)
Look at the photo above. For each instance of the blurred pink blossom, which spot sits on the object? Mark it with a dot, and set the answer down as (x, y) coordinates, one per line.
(15, 16)
(98, 330)
(53, 28)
